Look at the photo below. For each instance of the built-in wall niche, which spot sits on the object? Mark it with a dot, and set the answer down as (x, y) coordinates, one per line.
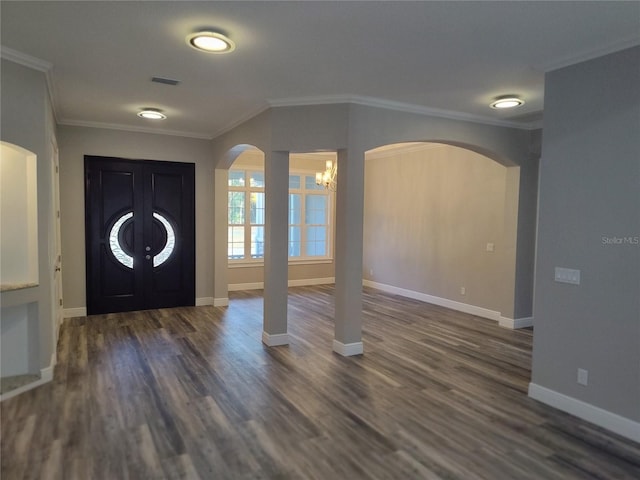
(19, 354)
(18, 217)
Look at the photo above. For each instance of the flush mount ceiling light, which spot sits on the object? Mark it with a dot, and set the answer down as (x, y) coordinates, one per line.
(152, 114)
(507, 101)
(211, 42)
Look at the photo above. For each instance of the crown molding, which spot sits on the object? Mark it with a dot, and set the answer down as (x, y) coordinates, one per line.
(591, 54)
(312, 100)
(175, 133)
(240, 120)
(47, 67)
(24, 59)
(397, 106)
(35, 64)
(129, 128)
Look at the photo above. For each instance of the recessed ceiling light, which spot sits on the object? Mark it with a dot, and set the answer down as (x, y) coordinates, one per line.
(152, 114)
(211, 42)
(507, 101)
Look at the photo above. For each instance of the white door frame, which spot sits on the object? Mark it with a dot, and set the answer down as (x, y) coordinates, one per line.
(56, 246)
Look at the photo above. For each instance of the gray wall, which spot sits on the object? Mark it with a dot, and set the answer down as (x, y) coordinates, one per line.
(430, 210)
(373, 127)
(75, 142)
(590, 189)
(358, 128)
(27, 121)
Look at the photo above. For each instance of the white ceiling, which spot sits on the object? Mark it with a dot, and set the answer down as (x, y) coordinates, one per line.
(422, 56)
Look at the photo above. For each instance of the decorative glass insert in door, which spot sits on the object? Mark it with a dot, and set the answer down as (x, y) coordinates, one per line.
(119, 250)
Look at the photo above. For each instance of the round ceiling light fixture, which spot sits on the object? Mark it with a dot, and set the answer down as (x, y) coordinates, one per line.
(152, 114)
(507, 101)
(210, 42)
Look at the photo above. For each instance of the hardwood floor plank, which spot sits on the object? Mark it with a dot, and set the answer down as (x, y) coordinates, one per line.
(182, 467)
(192, 393)
(148, 459)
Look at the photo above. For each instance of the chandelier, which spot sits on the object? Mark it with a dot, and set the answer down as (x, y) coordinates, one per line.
(328, 177)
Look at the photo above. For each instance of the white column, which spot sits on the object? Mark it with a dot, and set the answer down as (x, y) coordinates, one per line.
(276, 261)
(348, 257)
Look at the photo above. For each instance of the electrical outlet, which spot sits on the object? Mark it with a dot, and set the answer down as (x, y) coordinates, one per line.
(490, 247)
(371, 272)
(583, 376)
(463, 291)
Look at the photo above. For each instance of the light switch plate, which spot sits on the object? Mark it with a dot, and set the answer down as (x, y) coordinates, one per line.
(583, 377)
(567, 275)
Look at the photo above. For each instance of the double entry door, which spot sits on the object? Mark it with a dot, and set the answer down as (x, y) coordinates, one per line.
(140, 234)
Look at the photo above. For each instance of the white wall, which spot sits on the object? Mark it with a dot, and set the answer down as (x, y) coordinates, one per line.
(589, 193)
(18, 215)
(76, 142)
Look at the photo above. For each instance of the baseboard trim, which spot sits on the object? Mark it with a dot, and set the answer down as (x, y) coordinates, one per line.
(74, 312)
(275, 339)
(46, 375)
(234, 287)
(204, 301)
(348, 349)
(221, 302)
(311, 281)
(442, 302)
(515, 323)
(200, 302)
(596, 415)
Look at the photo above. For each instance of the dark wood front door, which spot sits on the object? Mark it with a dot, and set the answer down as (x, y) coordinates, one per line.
(140, 234)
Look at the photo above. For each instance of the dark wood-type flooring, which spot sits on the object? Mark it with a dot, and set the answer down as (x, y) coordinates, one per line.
(193, 393)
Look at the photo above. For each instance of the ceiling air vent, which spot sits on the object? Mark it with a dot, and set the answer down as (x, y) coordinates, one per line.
(166, 81)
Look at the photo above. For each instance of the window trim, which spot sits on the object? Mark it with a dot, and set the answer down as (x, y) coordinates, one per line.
(301, 260)
(255, 263)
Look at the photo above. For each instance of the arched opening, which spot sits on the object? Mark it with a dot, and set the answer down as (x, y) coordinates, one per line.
(311, 217)
(440, 225)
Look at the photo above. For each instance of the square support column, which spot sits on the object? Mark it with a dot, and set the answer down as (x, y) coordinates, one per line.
(276, 253)
(348, 255)
(220, 235)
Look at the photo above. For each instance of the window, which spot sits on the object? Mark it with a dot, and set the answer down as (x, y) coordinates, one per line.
(246, 232)
(309, 213)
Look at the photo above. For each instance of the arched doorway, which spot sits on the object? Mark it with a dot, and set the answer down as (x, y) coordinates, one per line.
(440, 225)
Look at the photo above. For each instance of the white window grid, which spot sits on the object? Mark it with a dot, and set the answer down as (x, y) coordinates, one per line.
(304, 228)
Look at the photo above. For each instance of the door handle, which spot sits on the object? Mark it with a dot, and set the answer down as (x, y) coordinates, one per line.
(147, 248)
(148, 257)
